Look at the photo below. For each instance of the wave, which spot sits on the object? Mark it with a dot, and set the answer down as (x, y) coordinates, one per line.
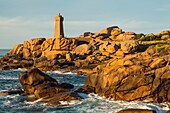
(62, 72)
(8, 78)
(92, 103)
(97, 104)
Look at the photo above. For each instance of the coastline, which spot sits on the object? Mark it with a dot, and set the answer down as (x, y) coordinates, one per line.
(121, 65)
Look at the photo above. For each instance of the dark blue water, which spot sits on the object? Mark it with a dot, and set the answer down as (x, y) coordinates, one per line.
(3, 52)
(91, 104)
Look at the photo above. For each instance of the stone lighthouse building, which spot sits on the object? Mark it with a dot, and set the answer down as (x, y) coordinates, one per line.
(59, 30)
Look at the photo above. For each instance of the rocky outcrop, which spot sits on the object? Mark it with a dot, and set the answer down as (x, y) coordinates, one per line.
(134, 77)
(34, 82)
(45, 54)
(100, 47)
(38, 52)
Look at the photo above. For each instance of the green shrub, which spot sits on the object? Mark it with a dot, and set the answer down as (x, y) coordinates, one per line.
(149, 38)
(138, 36)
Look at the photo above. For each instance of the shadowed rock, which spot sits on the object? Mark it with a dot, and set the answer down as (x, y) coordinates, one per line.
(12, 92)
(39, 84)
(137, 111)
(63, 96)
(34, 77)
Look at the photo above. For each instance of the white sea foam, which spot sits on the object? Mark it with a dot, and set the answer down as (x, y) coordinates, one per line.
(55, 72)
(8, 78)
(69, 103)
(62, 72)
(99, 104)
(7, 103)
(21, 69)
(34, 102)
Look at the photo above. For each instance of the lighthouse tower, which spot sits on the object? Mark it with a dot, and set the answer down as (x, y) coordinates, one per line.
(59, 30)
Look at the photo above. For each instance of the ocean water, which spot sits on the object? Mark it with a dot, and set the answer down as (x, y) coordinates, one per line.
(91, 104)
(3, 52)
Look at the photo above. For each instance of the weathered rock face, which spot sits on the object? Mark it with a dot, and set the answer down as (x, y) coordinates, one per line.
(129, 46)
(17, 49)
(114, 30)
(134, 77)
(110, 48)
(39, 84)
(64, 96)
(125, 36)
(38, 47)
(68, 44)
(34, 77)
(83, 49)
(37, 41)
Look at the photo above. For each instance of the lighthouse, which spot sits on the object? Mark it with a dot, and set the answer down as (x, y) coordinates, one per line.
(59, 30)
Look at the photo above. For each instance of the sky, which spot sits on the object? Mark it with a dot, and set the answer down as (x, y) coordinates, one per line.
(21, 20)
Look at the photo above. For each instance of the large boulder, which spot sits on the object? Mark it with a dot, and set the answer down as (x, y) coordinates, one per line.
(125, 36)
(83, 49)
(114, 30)
(39, 84)
(110, 48)
(129, 46)
(34, 77)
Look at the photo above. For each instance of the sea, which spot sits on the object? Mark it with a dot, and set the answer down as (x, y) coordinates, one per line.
(92, 103)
